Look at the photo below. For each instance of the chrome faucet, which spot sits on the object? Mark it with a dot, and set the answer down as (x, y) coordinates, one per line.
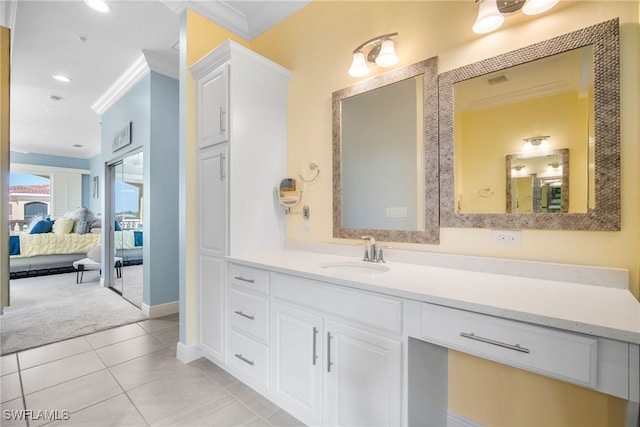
(372, 254)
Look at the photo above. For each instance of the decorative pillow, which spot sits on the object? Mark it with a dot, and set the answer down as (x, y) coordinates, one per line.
(44, 226)
(83, 220)
(97, 223)
(34, 221)
(116, 226)
(62, 225)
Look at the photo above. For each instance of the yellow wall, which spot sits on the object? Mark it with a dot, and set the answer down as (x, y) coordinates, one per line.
(316, 44)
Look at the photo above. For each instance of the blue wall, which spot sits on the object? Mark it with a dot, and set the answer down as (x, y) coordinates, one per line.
(152, 108)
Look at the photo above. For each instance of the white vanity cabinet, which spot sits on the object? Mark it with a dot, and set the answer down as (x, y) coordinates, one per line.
(241, 125)
(249, 322)
(336, 353)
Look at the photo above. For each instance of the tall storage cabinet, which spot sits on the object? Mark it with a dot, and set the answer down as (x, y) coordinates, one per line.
(241, 122)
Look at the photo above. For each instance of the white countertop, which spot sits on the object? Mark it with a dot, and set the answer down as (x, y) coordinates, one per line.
(603, 311)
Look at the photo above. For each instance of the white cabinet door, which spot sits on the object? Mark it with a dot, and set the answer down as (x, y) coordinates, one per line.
(213, 201)
(212, 247)
(213, 325)
(297, 346)
(212, 97)
(362, 376)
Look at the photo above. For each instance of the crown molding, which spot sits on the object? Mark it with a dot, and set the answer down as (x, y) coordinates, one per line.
(263, 16)
(125, 82)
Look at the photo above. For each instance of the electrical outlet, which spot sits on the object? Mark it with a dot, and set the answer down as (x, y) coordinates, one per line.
(506, 238)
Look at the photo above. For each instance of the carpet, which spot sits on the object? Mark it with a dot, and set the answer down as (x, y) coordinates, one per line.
(48, 309)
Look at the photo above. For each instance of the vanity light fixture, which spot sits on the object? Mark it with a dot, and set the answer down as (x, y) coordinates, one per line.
(555, 165)
(491, 13)
(536, 143)
(518, 168)
(383, 54)
(489, 17)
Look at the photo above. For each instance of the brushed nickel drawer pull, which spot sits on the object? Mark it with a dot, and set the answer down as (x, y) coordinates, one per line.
(329, 362)
(314, 357)
(244, 359)
(242, 279)
(515, 347)
(239, 313)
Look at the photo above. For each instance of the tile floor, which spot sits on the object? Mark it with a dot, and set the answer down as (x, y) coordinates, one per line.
(126, 376)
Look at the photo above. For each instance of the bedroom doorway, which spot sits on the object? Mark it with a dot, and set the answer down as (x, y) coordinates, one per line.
(128, 212)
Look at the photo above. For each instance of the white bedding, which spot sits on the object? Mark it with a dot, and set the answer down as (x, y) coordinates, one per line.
(53, 244)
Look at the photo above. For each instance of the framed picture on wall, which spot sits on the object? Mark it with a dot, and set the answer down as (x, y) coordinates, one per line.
(96, 187)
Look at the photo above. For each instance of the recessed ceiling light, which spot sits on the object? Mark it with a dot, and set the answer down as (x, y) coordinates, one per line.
(55, 98)
(98, 5)
(61, 78)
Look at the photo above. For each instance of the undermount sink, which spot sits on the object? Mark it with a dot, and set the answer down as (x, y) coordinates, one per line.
(355, 267)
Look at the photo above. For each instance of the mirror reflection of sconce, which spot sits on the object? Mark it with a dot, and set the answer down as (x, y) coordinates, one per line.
(518, 168)
(536, 143)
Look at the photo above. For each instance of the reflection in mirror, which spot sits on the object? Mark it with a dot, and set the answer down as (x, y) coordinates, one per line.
(538, 183)
(487, 113)
(385, 156)
(498, 113)
(289, 192)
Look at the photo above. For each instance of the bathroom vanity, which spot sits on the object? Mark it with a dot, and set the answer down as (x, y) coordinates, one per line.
(338, 341)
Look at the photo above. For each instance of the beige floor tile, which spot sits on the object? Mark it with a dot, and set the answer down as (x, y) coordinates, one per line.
(214, 372)
(169, 337)
(130, 349)
(11, 414)
(59, 371)
(50, 352)
(117, 411)
(147, 368)
(115, 335)
(221, 412)
(10, 387)
(8, 364)
(163, 397)
(161, 323)
(76, 394)
(284, 419)
(254, 400)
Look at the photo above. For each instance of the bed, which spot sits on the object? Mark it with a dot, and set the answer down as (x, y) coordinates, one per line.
(51, 250)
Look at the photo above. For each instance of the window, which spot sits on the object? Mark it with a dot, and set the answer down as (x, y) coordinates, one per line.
(33, 209)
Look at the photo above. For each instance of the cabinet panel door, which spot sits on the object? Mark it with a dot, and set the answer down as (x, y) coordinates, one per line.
(363, 377)
(212, 210)
(212, 308)
(212, 99)
(297, 355)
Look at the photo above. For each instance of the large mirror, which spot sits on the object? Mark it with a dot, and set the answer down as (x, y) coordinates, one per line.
(385, 156)
(561, 94)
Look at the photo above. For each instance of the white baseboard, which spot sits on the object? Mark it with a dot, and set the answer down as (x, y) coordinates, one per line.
(457, 420)
(188, 353)
(160, 309)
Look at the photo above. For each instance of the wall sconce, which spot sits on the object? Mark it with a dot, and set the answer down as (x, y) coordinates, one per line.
(383, 54)
(491, 12)
(536, 143)
(518, 168)
(554, 167)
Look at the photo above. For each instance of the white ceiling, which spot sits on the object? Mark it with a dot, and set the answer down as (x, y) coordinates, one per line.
(47, 40)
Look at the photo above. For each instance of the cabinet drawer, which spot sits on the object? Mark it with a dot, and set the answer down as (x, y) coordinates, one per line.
(566, 356)
(250, 278)
(249, 357)
(250, 314)
(359, 306)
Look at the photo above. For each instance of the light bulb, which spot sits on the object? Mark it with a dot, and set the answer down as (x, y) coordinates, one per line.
(387, 56)
(534, 7)
(489, 17)
(359, 66)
